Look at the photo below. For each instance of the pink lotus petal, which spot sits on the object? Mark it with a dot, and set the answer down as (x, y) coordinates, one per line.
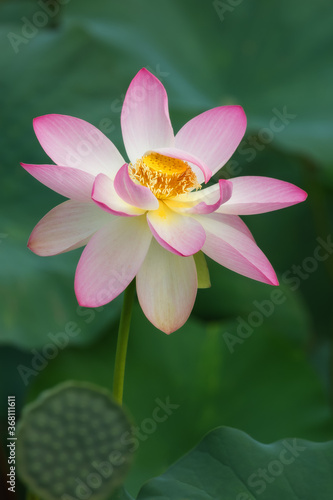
(235, 249)
(233, 221)
(75, 143)
(166, 285)
(70, 182)
(66, 227)
(256, 195)
(177, 233)
(111, 260)
(204, 201)
(105, 196)
(134, 194)
(213, 136)
(201, 170)
(145, 120)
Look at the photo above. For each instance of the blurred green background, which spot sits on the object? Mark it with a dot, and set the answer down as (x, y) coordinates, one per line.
(275, 58)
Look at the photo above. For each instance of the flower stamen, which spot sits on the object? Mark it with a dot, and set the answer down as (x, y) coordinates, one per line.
(163, 175)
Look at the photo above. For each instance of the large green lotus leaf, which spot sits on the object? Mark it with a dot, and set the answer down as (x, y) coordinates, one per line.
(231, 465)
(187, 383)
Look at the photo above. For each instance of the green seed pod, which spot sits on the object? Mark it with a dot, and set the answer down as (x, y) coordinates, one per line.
(74, 443)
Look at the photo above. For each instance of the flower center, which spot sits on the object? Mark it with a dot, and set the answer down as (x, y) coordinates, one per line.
(163, 175)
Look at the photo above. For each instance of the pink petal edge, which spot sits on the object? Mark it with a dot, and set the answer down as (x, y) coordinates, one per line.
(166, 286)
(202, 202)
(254, 195)
(66, 227)
(69, 182)
(111, 260)
(106, 197)
(180, 234)
(145, 120)
(233, 248)
(213, 136)
(76, 143)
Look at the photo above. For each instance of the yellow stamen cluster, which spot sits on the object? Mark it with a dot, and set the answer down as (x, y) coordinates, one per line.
(163, 175)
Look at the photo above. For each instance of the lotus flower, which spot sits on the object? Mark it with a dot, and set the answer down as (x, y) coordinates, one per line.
(151, 217)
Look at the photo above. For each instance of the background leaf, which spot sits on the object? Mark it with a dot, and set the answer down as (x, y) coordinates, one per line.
(229, 464)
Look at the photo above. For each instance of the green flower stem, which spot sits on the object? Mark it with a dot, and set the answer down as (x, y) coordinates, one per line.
(124, 326)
